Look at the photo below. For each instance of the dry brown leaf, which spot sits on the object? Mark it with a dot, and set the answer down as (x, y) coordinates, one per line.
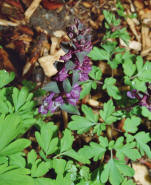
(59, 33)
(54, 45)
(26, 68)
(145, 13)
(145, 52)
(133, 28)
(51, 5)
(93, 24)
(5, 63)
(135, 45)
(139, 4)
(145, 37)
(104, 67)
(141, 174)
(47, 62)
(145, 16)
(93, 103)
(87, 4)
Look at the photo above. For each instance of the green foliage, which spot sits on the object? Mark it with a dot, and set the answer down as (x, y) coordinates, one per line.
(131, 124)
(52, 86)
(146, 113)
(110, 52)
(31, 86)
(112, 90)
(86, 88)
(138, 73)
(95, 74)
(45, 138)
(128, 182)
(38, 167)
(127, 150)
(10, 128)
(129, 144)
(95, 151)
(6, 78)
(129, 67)
(70, 108)
(142, 139)
(115, 170)
(107, 113)
(16, 176)
(66, 141)
(17, 102)
(112, 23)
(83, 124)
(99, 54)
(110, 19)
(120, 9)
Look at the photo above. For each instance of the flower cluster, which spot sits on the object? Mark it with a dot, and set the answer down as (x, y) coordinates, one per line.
(143, 98)
(76, 68)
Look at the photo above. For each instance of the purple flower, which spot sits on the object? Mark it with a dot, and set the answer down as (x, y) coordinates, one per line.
(57, 103)
(143, 98)
(132, 94)
(50, 104)
(84, 68)
(74, 95)
(81, 47)
(62, 75)
(67, 56)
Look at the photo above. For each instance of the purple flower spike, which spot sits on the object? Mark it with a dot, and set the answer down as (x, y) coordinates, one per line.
(74, 94)
(75, 62)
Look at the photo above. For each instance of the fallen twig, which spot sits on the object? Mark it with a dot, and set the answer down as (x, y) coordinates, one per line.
(7, 23)
(34, 5)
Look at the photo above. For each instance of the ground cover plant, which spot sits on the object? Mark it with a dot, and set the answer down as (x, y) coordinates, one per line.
(97, 145)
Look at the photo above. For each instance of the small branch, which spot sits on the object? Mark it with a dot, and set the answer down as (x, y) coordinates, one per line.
(132, 77)
(98, 82)
(7, 23)
(34, 5)
(117, 130)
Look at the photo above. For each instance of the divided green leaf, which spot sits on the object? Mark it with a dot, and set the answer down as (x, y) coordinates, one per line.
(107, 112)
(112, 90)
(131, 124)
(6, 77)
(83, 124)
(127, 150)
(115, 171)
(142, 139)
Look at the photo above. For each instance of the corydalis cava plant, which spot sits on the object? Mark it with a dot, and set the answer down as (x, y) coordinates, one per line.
(65, 89)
